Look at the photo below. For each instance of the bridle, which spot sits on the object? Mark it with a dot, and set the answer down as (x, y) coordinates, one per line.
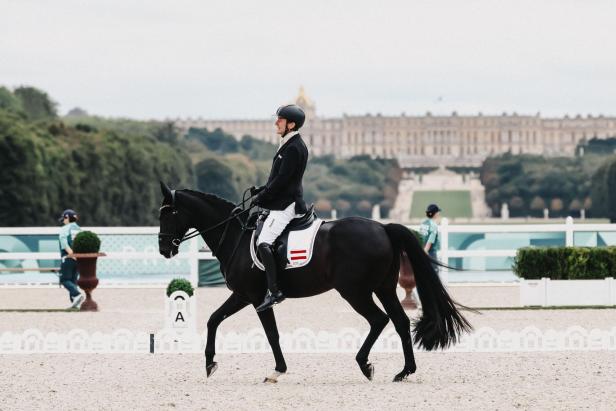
(176, 240)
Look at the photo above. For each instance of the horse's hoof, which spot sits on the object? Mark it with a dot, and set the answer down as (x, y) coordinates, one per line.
(210, 369)
(367, 370)
(273, 377)
(401, 376)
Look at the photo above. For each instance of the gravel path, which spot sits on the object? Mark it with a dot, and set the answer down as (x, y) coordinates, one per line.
(529, 380)
(558, 381)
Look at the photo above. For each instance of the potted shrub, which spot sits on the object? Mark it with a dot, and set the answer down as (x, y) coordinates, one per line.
(86, 246)
(407, 278)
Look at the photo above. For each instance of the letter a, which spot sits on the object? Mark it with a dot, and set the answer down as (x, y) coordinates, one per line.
(179, 317)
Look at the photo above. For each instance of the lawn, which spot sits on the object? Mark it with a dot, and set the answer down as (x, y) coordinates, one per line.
(453, 203)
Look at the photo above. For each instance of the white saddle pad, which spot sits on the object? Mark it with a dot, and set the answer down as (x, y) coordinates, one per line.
(299, 246)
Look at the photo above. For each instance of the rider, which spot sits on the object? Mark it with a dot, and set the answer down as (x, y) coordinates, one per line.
(282, 195)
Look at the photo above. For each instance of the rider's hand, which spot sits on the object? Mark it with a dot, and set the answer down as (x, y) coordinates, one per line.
(256, 190)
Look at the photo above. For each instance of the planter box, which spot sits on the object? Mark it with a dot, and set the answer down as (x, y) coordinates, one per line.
(546, 292)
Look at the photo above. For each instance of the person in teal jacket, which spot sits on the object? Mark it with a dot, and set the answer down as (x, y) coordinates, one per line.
(68, 267)
(429, 232)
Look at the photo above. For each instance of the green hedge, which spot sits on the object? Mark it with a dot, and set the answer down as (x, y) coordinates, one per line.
(565, 263)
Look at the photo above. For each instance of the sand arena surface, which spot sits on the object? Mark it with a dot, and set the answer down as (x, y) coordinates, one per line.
(528, 380)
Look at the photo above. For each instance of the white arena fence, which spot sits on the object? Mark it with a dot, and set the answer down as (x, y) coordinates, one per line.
(302, 340)
(133, 259)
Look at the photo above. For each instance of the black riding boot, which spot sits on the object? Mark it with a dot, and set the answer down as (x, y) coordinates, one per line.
(273, 295)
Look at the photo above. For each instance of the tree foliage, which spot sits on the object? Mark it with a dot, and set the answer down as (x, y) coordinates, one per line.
(108, 169)
(111, 178)
(530, 183)
(35, 103)
(359, 183)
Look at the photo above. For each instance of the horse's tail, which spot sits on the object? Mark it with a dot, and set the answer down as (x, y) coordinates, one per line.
(441, 323)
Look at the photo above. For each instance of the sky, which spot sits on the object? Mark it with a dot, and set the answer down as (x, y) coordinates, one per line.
(243, 58)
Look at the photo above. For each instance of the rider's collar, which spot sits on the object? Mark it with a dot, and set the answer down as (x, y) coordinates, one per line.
(287, 137)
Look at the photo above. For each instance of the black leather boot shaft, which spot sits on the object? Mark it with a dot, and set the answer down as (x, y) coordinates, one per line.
(271, 269)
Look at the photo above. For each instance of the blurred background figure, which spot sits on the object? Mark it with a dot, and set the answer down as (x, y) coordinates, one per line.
(68, 267)
(429, 231)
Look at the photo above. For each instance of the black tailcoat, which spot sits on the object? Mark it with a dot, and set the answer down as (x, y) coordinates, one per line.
(284, 185)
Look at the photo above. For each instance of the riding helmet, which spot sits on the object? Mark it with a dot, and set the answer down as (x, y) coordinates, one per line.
(293, 114)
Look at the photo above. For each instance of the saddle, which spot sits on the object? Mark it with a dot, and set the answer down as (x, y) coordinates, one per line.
(293, 248)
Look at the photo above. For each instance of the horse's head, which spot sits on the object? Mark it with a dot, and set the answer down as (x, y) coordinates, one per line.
(173, 224)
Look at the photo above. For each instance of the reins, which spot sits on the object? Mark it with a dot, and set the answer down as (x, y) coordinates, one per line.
(235, 214)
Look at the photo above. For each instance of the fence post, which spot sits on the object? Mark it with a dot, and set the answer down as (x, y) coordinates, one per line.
(193, 261)
(569, 231)
(444, 251)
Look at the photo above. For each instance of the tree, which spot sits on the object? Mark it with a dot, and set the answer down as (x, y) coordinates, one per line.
(213, 176)
(343, 206)
(516, 205)
(109, 178)
(556, 205)
(537, 206)
(587, 203)
(8, 101)
(166, 132)
(611, 191)
(364, 207)
(575, 206)
(323, 205)
(598, 191)
(36, 103)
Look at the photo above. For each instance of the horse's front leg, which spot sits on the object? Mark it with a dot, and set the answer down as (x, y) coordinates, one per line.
(268, 320)
(233, 304)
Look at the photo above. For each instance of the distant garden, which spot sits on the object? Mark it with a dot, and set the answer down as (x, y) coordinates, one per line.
(564, 186)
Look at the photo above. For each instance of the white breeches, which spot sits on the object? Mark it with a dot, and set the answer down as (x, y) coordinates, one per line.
(275, 224)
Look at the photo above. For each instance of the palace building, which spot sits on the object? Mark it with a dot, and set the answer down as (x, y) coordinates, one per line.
(428, 140)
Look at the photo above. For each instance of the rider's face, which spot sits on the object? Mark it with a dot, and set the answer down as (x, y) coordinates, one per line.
(281, 125)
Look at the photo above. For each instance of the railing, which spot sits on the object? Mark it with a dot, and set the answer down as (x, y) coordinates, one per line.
(133, 258)
(493, 247)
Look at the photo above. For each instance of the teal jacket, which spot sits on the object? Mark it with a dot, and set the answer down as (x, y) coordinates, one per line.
(67, 234)
(429, 234)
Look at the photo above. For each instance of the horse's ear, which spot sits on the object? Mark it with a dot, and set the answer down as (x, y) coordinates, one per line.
(166, 193)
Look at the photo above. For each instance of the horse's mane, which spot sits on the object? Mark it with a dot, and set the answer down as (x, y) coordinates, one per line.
(208, 197)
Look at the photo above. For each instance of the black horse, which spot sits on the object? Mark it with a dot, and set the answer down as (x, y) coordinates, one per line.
(356, 256)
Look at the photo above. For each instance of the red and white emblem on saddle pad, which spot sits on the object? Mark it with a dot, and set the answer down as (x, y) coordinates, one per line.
(297, 255)
(299, 247)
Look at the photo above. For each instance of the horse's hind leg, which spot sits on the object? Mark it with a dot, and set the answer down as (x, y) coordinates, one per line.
(401, 321)
(233, 304)
(363, 303)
